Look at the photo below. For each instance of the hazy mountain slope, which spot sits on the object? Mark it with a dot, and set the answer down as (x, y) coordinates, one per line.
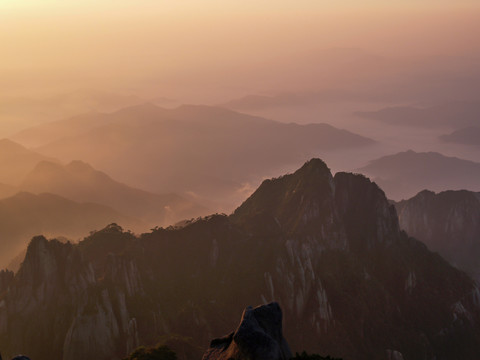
(25, 215)
(7, 190)
(16, 161)
(51, 131)
(150, 147)
(291, 99)
(404, 174)
(465, 136)
(328, 249)
(448, 222)
(17, 113)
(80, 182)
(452, 114)
(44, 133)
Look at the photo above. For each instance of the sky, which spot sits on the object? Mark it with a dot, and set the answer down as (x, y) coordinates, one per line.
(177, 45)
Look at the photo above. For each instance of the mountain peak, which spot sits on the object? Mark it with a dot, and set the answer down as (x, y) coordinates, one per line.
(276, 199)
(312, 166)
(311, 201)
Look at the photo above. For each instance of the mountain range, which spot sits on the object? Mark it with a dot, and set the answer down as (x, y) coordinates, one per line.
(16, 161)
(328, 249)
(404, 174)
(20, 112)
(138, 144)
(450, 114)
(465, 136)
(80, 182)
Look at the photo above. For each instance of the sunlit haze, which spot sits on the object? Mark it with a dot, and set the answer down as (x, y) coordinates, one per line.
(213, 50)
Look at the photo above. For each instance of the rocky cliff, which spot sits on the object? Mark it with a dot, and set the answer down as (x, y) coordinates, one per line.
(448, 222)
(328, 249)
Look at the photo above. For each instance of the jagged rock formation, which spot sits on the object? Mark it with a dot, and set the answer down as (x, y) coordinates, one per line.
(328, 249)
(448, 222)
(257, 337)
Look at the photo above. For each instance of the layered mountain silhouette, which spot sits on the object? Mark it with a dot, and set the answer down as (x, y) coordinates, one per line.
(289, 99)
(7, 190)
(328, 249)
(451, 114)
(148, 147)
(25, 215)
(16, 161)
(78, 181)
(448, 222)
(20, 112)
(404, 174)
(465, 136)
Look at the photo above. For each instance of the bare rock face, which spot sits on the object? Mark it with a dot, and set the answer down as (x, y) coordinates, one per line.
(258, 337)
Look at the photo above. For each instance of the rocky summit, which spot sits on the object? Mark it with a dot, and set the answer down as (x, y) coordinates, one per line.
(257, 337)
(328, 249)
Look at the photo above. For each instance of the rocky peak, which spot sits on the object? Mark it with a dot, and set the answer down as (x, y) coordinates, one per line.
(312, 202)
(44, 260)
(291, 202)
(257, 337)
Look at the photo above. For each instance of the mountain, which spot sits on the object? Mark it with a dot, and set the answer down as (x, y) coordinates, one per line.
(20, 112)
(80, 182)
(450, 114)
(465, 136)
(50, 131)
(404, 174)
(448, 222)
(7, 190)
(25, 215)
(16, 161)
(328, 249)
(144, 141)
(289, 99)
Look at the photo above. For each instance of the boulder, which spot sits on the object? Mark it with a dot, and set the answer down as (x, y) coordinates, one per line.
(257, 337)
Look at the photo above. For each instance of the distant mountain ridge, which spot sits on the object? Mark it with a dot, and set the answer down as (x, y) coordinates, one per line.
(16, 161)
(148, 147)
(328, 249)
(451, 114)
(404, 174)
(465, 136)
(81, 182)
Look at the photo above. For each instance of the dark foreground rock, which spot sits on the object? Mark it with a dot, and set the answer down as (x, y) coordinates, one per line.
(258, 337)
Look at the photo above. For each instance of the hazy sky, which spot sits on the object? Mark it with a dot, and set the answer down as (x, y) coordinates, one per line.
(128, 44)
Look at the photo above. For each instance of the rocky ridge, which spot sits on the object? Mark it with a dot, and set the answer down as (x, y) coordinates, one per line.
(447, 222)
(328, 249)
